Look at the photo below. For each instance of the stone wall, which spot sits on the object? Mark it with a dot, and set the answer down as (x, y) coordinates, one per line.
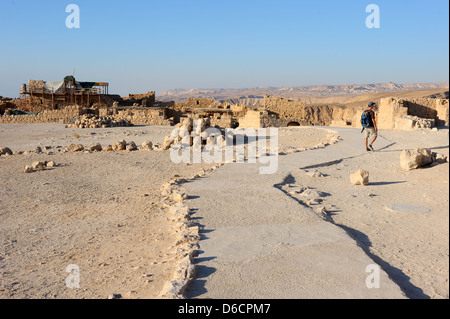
(261, 119)
(394, 113)
(252, 119)
(65, 115)
(139, 116)
(147, 100)
(197, 103)
(442, 106)
(222, 120)
(68, 114)
(298, 112)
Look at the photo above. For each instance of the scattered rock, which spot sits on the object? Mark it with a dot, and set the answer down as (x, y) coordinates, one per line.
(51, 164)
(75, 147)
(95, 121)
(115, 296)
(119, 146)
(96, 148)
(413, 159)
(168, 142)
(147, 145)
(131, 146)
(5, 151)
(38, 166)
(361, 177)
(28, 169)
(439, 158)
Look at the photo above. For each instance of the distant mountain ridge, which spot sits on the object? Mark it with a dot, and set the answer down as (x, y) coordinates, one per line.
(253, 95)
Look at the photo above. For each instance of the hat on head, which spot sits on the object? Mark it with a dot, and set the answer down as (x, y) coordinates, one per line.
(371, 104)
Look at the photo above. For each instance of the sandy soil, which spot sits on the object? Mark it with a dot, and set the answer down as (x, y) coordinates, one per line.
(100, 211)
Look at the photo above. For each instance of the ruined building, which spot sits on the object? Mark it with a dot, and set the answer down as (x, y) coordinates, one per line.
(64, 101)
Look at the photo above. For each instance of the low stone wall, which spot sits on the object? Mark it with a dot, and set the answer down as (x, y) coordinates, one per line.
(196, 103)
(65, 115)
(68, 114)
(139, 116)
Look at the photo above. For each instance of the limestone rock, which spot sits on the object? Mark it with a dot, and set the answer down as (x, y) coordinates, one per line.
(410, 159)
(179, 212)
(179, 197)
(361, 177)
(51, 164)
(427, 156)
(131, 146)
(95, 121)
(38, 166)
(168, 142)
(413, 159)
(439, 158)
(5, 151)
(96, 148)
(185, 268)
(119, 146)
(75, 147)
(147, 145)
(175, 288)
(28, 169)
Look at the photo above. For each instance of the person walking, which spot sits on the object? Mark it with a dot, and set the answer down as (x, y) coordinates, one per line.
(369, 124)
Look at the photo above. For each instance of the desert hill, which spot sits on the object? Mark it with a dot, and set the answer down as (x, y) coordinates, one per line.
(349, 95)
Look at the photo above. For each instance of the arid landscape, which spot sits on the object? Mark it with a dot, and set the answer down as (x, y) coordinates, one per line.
(112, 202)
(224, 157)
(103, 211)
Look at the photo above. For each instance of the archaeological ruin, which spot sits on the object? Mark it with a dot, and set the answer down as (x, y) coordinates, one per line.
(89, 105)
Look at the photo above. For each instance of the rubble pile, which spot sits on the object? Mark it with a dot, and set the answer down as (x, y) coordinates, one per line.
(94, 121)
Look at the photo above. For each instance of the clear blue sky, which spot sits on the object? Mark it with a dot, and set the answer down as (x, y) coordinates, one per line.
(142, 45)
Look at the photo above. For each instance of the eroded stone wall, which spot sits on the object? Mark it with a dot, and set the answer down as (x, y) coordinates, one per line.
(299, 112)
(65, 115)
(394, 113)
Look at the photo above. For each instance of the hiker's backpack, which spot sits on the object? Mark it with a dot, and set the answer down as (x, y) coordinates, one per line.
(366, 119)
